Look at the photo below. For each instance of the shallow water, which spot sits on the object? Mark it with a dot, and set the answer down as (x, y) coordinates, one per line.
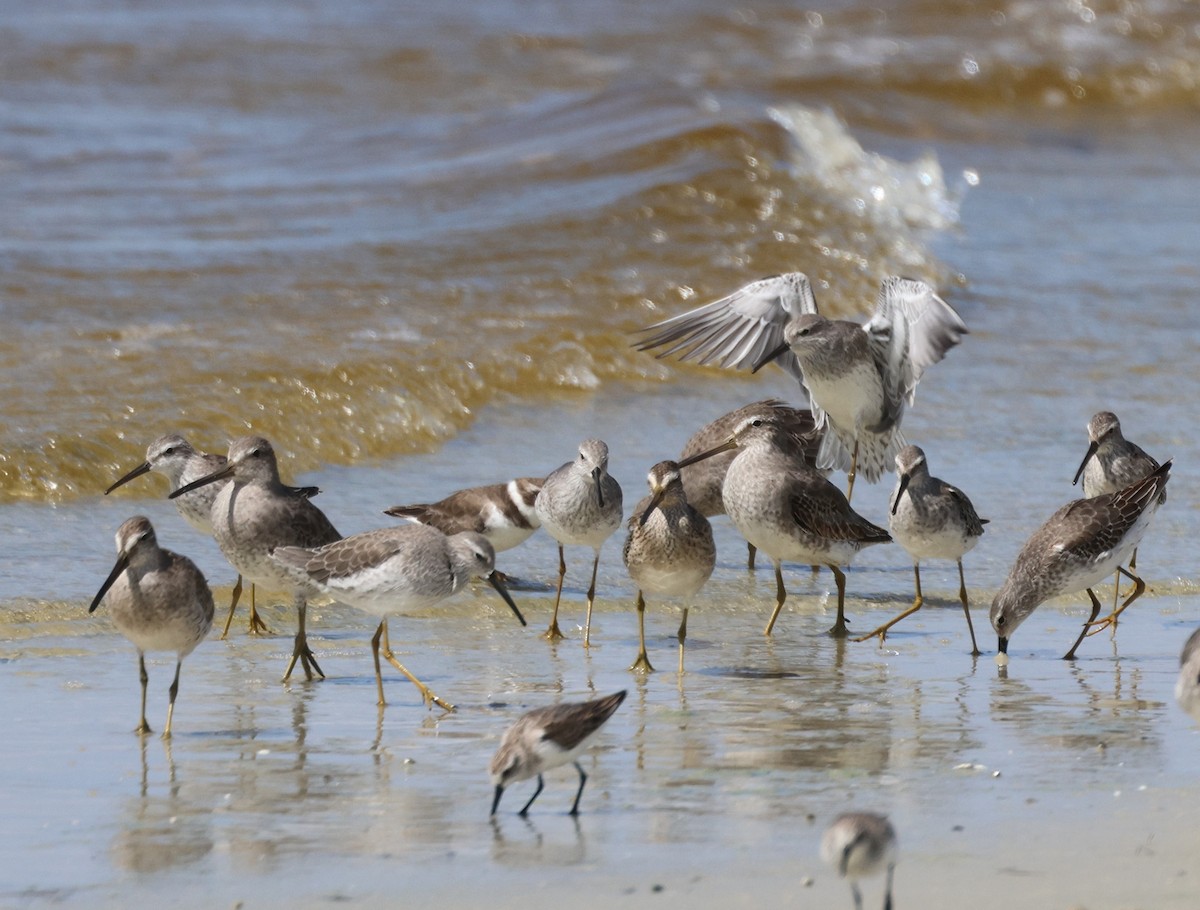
(412, 260)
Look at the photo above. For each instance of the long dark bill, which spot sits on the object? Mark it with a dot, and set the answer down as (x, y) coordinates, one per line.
(496, 798)
(904, 479)
(121, 566)
(143, 468)
(768, 357)
(1083, 464)
(219, 474)
(495, 582)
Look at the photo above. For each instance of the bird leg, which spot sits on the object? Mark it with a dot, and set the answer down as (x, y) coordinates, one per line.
(256, 623)
(962, 595)
(1139, 587)
(591, 596)
(553, 633)
(916, 605)
(1070, 655)
(300, 649)
(642, 664)
(751, 552)
(541, 783)
(857, 895)
(143, 727)
(425, 691)
(237, 593)
(780, 597)
(682, 636)
(579, 792)
(839, 629)
(172, 692)
(853, 471)
(887, 894)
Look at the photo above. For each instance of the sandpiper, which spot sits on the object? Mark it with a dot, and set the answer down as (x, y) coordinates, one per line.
(175, 458)
(159, 600)
(702, 481)
(1078, 546)
(501, 512)
(789, 510)
(1187, 686)
(391, 571)
(1112, 463)
(255, 513)
(858, 377)
(861, 845)
(580, 504)
(546, 738)
(669, 552)
(931, 520)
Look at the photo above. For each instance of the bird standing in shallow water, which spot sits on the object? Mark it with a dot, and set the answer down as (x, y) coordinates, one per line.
(703, 480)
(1078, 546)
(159, 600)
(788, 510)
(859, 378)
(580, 504)
(395, 570)
(931, 520)
(174, 457)
(546, 738)
(669, 552)
(1112, 463)
(255, 513)
(860, 845)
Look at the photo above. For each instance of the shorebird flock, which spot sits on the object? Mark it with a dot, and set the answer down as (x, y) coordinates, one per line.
(766, 466)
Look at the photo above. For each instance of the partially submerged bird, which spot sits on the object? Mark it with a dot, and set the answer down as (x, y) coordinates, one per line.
(159, 600)
(1078, 546)
(546, 738)
(861, 845)
(859, 378)
(501, 512)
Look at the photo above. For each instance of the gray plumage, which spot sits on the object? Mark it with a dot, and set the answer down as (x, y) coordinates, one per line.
(546, 738)
(861, 845)
(1079, 545)
(669, 551)
(1112, 462)
(580, 505)
(255, 513)
(1187, 685)
(390, 571)
(930, 519)
(158, 599)
(859, 378)
(789, 510)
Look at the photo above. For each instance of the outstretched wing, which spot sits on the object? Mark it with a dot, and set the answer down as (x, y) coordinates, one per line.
(911, 330)
(739, 330)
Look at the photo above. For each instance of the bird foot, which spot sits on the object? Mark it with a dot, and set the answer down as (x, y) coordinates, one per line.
(1096, 626)
(308, 660)
(257, 626)
(880, 633)
(641, 665)
(839, 630)
(553, 633)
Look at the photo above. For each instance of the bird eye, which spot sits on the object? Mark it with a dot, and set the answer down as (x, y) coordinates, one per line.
(804, 332)
(1000, 620)
(757, 422)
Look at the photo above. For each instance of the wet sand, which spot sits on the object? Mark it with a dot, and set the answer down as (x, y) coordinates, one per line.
(1058, 784)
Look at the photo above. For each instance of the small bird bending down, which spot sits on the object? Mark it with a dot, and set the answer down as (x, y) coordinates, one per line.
(501, 512)
(669, 551)
(395, 570)
(1112, 463)
(159, 600)
(931, 520)
(580, 504)
(255, 513)
(546, 738)
(788, 510)
(860, 845)
(859, 378)
(1078, 546)
(174, 457)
